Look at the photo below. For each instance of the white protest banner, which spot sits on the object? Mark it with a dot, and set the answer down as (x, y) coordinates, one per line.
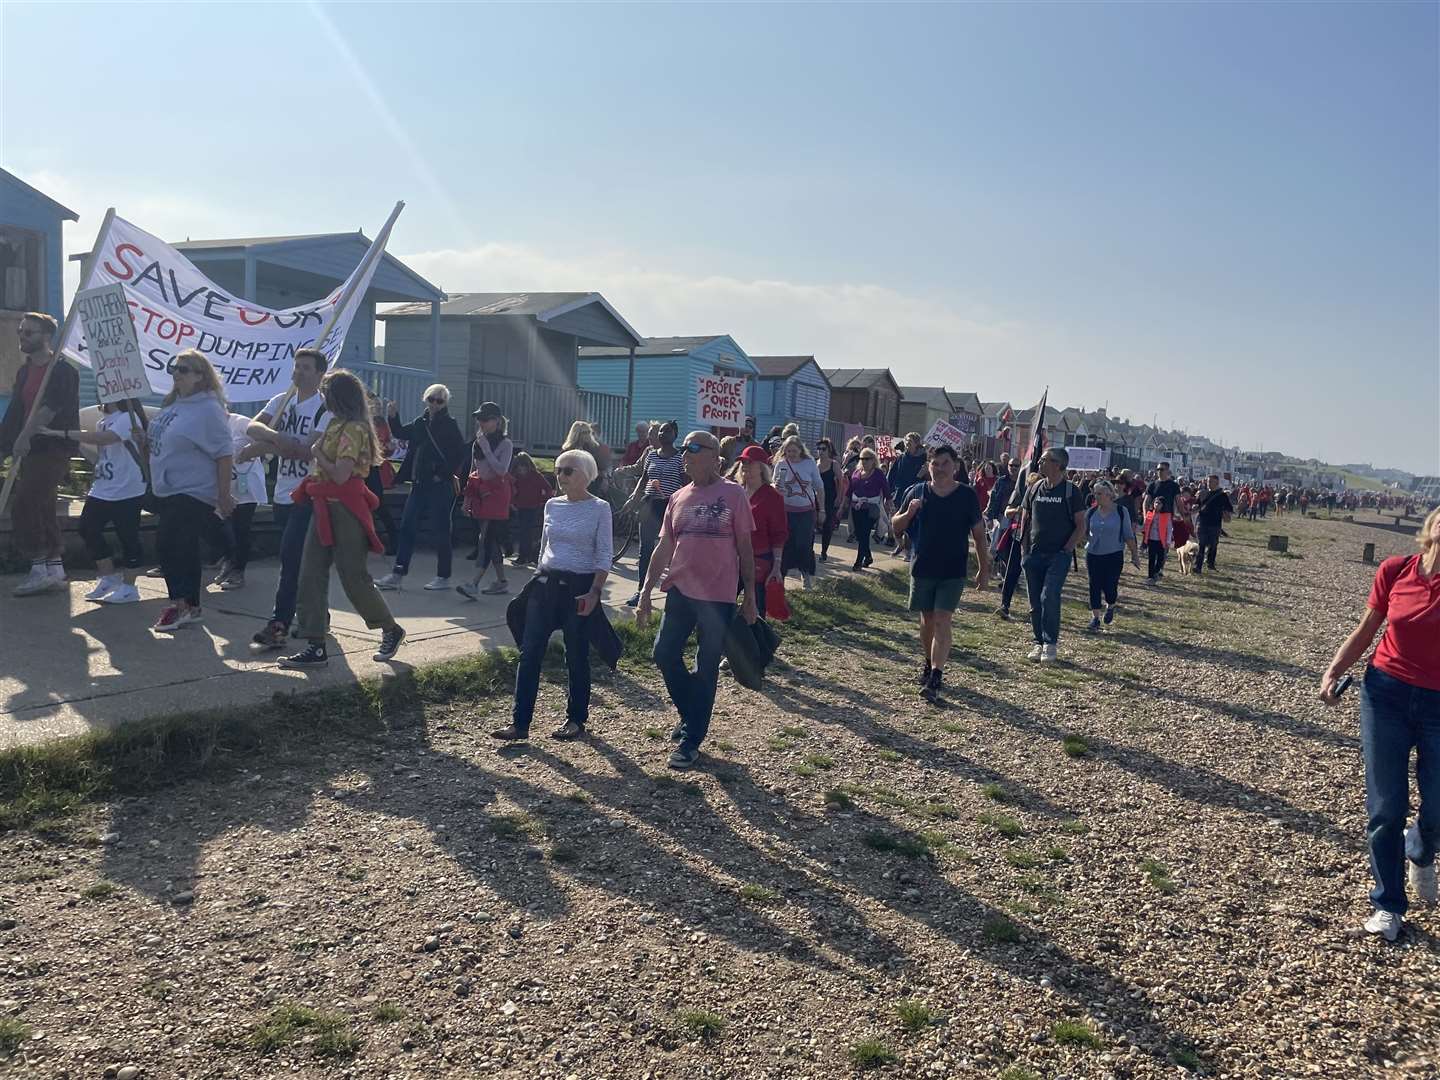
(1088, 458)
(176, 307)
(944, 433)
(113, 347)
(885, 448)
(720, 401)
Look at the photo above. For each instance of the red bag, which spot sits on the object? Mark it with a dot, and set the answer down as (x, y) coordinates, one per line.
(775, 606)
(488, 500)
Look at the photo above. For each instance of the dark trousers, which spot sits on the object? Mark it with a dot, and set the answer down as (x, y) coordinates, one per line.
(551, 607)
(763, 565)
(527, 533)
(799, 550)
(832, 522)
(294, 522)
(177, 543)
(1395, 718)
(124, 515)
(1013, 567)
(693, 692)
(863, 518)
(33, 504)
(431, 504)
(1208, 537)
(382, 515)
(1155, 551)
(231, 537)
(1104, 577)
(652, 516)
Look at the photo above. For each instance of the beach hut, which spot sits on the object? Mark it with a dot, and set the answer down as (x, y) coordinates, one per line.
(665, 381)
(791, 388)
(32, 265)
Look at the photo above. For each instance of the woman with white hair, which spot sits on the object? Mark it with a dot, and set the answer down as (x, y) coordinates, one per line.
(432, 465)
(1108, 532)
(576, 547)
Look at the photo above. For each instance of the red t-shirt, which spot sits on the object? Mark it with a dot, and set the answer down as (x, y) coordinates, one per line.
(34, 376)
(532, 490)
(634, 452)
(772, 527)
(1410, 649)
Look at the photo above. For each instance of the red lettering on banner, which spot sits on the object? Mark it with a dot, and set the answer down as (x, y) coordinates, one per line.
(169, 335)
(186, 331)
(264, 316)
(129, 271)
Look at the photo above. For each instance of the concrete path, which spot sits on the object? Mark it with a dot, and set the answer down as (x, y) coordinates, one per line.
(72, 666)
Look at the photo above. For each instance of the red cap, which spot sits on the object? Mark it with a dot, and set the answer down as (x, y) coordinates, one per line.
(755, 452)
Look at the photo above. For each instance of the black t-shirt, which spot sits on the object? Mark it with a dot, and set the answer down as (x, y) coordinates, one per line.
(941, 530)
(1052, 510)
(1163, 493)
(1213, 505)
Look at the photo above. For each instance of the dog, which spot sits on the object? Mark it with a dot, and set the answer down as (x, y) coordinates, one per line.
(1187, 553)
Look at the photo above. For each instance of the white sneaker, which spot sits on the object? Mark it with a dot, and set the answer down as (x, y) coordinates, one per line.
(1048, 654)
(107, 583)
(391, 581)
(1422, 880)
(1385, 923)
(55, 571)
(36, 583)
(1037, 653)
(124, 594)
(438, 584)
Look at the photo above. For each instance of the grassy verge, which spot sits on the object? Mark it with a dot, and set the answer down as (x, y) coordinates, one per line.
(43, 783)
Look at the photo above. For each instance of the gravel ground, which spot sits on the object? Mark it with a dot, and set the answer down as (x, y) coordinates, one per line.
(1146, 857)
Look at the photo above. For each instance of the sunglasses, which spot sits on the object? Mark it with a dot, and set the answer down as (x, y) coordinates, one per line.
(564, 470)
(435, 400)
(695, 448)
(181, 369)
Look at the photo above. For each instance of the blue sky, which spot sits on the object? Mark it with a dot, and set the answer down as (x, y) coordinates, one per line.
(1223, 216)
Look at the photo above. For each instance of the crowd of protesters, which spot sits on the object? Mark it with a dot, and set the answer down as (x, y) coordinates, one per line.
(721, 524)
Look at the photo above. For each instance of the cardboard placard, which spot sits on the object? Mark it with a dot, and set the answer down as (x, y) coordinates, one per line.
(114, 346)
(720, 401)
(944, 433)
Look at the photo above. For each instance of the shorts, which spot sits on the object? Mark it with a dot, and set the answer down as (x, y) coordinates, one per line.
(935, 593)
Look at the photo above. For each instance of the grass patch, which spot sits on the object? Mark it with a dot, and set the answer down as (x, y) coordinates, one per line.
(1186, 1058)
(1019, 1072)
(952, 728)
(793, 731)
(820, 761)
(835, 799)
(916, 1015)
(890, 755)
(805, 770)
(1075, 1033)
(101, 890)
(387, 1012)
(1158, 874)
(913, 846)
(352, 873)
(1074, 746)
(515, 826)
(1022, 859)
(653, 733)
(565, 853)
(13, 1035)
(723, 744)
(701, 1023)
(937, 811)
(157, 989)
(871, 1054)
(759, 894)
(285, 1023)
(1057, 853)
(999, 930)
(996, 793)
(1005, 824)
(1074, 827)
(579, 795)
(778, 742)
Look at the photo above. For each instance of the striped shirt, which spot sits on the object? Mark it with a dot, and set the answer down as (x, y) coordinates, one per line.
(669, 471)
(577, 538)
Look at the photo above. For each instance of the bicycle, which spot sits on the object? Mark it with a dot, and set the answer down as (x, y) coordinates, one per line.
(625, 522)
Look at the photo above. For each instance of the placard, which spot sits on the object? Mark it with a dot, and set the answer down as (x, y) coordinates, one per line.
(1088, 458)
(720, 401)
(944, 433)
(114, 347)
(885, 448)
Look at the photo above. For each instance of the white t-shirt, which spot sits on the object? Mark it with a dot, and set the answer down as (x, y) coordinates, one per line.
(247, 481)
(117, 473)
(302, 419)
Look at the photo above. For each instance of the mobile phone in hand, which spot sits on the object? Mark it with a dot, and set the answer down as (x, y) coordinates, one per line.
(1343, 685)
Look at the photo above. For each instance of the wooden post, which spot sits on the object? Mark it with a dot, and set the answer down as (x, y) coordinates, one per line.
(1279, 543)
(56, 357)
(1369, 553)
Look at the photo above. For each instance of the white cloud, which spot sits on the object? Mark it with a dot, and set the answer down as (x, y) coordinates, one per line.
(842, 325)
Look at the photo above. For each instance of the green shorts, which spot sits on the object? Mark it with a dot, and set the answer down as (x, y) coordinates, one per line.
(935, 593)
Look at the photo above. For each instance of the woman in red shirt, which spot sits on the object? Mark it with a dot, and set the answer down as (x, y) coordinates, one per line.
(767, 507)
(1399, 710)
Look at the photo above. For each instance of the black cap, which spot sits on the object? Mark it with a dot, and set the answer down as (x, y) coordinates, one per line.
(488, 411)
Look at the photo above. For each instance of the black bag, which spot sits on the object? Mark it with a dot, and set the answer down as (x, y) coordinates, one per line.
(750, 648)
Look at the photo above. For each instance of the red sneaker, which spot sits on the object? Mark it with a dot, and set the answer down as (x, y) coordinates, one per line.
(169, 620)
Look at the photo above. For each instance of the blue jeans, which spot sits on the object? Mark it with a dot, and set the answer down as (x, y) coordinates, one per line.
(693, 692)
(430, 504)
(294, 522)
(1394, 717)
(1044, 579)
(551, 607)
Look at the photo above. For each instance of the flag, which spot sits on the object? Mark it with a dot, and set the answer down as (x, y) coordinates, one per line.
(1037, 432)
(176, 307)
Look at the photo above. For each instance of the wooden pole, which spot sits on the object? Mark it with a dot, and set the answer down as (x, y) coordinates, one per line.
(56, 357)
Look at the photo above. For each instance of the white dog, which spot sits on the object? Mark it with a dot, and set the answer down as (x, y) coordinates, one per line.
(1187, 554)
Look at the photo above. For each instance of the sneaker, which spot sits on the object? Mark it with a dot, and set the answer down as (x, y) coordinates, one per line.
(437, 584)
(823, 557)
(273, 636)
(55, 571)
(188, 616)
(1385, 923)
(677, 733)
(169, 620)
(391, 581)
(468, 590)
(633, 601)
(1002, 613)
(233, 580)
(107, 583)
(495, 588)
(1094, 623)
(1037, 653)
(389, 643)
(682, 759)
(1109, 615)
(570, 732)
(221, 572)
(122, 594)
(933, 686)
(38, 582)
(1048, 654)
(1422, 880)
(510, 734)
(313, 656)
(925, 674)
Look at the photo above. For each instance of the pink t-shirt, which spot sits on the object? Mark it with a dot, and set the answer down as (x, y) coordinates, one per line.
(703, 522)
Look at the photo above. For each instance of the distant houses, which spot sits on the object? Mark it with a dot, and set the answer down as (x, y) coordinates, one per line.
(867, 397)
